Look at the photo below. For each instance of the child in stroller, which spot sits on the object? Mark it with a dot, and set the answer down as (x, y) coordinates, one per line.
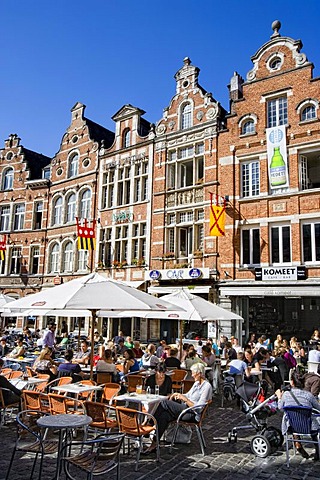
(258, 408)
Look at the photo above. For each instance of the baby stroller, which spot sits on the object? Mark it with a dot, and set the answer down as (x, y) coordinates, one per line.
(258, 409)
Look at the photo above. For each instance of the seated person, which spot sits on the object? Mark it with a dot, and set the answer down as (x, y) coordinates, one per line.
(239, 366)
(4, 348)
(208, 356)
(105, 364)
(228, 352)
(160, 378)
(314, 354)
(83, 356)
(130, 365)
(45, 365)
(64, 341)
(315, 338)
(69, 367)
(121, 348)
(149, 359)
(137, 349)
(128, 342)
(282, 374)
(312, 383)
(298, 396)
(169, 410)
(18, 350)
(172, 361)
(13, 396)
(191, 359)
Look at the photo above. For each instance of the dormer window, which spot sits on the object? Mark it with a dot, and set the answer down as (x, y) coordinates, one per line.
(126, 138)
(186, 116)
(247, 124)
(248, 127)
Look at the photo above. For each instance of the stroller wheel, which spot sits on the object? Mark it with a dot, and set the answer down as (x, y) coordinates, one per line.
(274, 436)
(260, 446)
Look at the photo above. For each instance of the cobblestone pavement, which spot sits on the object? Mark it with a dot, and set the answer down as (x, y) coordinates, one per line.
(223, 460)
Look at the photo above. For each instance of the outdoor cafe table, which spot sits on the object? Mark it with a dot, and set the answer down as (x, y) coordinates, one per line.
(149, 401)
(63, 423)
(77, 388)
(28, 384)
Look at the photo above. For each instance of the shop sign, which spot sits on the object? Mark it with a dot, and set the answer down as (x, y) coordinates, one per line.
(280, 273)
(178, 274)
(57, 280)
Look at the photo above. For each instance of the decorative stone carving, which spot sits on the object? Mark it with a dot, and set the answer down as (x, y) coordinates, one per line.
(212, 112)
(161, 129)
(200, 115)
(172, 124)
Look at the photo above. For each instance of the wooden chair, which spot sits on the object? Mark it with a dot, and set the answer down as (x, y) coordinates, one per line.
(31, 372)
(187, 384)
(200, 412)
(133, 380)
(33, 400)
(86, 395)
(103, 377)
(177, 378)
(134, 424)
(6, 372)
(58, 382)
(97, 457)
(61, 404)
(15, 374)
(100, 414)
(30, 439)
(110, 390)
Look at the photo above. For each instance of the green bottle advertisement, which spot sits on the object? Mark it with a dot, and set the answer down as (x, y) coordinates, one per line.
(278, 170)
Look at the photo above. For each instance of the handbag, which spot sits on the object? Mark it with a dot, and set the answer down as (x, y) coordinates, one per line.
(184, 434)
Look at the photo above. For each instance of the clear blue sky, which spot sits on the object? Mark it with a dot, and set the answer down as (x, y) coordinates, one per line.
(106, 53)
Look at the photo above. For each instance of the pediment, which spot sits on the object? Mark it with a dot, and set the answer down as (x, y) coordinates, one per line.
(127, 111)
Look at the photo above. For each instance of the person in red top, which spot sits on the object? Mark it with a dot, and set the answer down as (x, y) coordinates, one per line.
(137, 350)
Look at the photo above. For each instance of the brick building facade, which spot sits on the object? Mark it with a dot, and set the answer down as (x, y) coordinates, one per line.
(150, 187)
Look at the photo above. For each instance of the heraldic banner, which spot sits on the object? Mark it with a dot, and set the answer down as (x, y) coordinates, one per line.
(86, 232)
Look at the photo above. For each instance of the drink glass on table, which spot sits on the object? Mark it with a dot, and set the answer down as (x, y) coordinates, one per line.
(139, 389)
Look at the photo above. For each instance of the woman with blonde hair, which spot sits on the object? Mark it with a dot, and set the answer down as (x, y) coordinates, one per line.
(45, 365)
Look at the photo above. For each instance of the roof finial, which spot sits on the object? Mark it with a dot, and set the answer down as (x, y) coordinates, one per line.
(276, 25)
(186, 61)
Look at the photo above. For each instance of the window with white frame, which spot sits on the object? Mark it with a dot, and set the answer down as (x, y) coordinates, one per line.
(140, 181)
(309, 171)
(7, 179)
(139, 243)
(250, 178)
(187, 235)
(73, 165)
(123, 185)
(54, 259)
(67, 259)
(250, 246)
(277, 112)
(5, 218)
(311, 241)
(280, 244)
(186, 116)
(108, 189)
(15, 261)
(37, 215)
(71, 208)
(57, 211)
(82, 264)
(126, 138)
(248, 127)
(105, 247)
(85, 204)
(34, 260)
(19, 212)
(121, 246)
(308, 113)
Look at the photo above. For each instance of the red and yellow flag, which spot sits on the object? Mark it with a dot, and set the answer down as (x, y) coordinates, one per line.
(217, 217)
(3, 247)
(86, 234)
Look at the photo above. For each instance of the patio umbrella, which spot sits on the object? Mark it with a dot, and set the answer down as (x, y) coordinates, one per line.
(193, 308)
(93, 292)
(4, 300)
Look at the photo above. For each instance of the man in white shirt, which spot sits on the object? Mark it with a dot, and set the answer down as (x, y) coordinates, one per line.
(314, 354)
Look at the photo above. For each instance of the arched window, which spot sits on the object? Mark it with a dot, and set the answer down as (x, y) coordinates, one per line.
(7, 179)
(248, 127)
(54, 259)
(126, 138)
(186, 116)
(308, 113)
(73, 165)
(71, 207)
(68, 257)
(85, 204)
(57, 212)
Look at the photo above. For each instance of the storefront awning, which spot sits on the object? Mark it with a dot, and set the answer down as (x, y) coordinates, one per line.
(173, 288)
(264, 290)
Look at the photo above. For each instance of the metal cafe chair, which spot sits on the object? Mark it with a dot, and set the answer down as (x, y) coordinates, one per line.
(300, 428)
(199, 412)
(134, 424)
(30, 439)
(95, 457)
(100, 414)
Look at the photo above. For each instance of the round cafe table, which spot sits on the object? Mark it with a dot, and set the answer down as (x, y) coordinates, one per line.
(63, 423)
